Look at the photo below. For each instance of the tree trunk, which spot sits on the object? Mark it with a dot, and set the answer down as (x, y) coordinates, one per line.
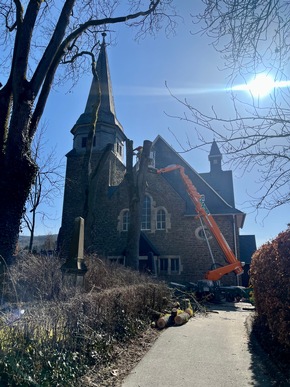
(17, 171)
(136, 180)
(132, 247)
(90, 195)
(181, 318)
(15, 183)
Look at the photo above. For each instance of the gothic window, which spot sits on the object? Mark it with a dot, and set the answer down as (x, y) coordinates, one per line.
(153, 219)
(161, 220)
(125, 221)
(146, 214)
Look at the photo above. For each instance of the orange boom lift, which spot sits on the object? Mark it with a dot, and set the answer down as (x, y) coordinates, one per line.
(234, 265)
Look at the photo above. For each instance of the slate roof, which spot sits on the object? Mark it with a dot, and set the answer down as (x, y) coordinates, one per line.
(217, 204)
(214, 150)
(222, 183)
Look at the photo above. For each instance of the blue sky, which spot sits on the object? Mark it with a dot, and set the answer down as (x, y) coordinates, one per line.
(139, 71)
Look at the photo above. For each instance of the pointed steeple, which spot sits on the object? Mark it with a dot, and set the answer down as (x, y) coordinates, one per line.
(108, 130)
(102, 83)
(215, 158)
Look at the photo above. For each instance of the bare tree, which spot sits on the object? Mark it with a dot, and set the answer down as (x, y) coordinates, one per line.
(136, 179)
(253, 38)
(36, 37)
(47, 185)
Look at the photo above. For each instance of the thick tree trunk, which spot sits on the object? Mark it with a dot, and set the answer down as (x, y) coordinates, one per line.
(15, 183)
(90, 195)
(17, 172)
(136, 189)
(132, 248)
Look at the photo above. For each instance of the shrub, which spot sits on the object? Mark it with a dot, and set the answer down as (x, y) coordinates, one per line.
(104, 274)
(54, 342)
(270, 276)
(33, 277)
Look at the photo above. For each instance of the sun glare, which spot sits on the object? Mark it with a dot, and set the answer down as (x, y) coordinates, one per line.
(259, 87)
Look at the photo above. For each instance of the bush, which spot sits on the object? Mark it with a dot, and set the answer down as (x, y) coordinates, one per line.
(270, 276)
(54, 342)
(33, 277)
(104, 274)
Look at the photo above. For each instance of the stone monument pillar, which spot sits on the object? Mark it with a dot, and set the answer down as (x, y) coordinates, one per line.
(74, 267)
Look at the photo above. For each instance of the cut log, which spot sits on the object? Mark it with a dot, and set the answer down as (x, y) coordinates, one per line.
(189, 311)
(164, 321)
(181, 318)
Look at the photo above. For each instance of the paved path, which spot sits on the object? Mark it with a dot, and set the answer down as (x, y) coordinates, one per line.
(212, 350)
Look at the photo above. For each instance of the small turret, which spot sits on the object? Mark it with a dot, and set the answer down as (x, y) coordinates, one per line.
(215, 158)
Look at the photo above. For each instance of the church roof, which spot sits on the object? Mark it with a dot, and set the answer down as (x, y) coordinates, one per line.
(101, 87)
(222, 183)
(217, 204)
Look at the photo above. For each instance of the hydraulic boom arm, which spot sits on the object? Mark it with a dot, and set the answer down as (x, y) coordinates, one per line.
(233, 263)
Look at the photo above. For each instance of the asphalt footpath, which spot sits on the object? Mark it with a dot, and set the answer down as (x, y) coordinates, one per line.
(213, 349)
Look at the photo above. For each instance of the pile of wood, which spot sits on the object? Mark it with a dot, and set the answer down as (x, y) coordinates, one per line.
(177, 316)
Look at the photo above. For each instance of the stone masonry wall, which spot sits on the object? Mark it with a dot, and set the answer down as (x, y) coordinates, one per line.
(178, 240)
(74, 191)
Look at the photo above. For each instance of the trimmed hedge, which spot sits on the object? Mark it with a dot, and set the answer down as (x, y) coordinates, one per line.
(270, 277)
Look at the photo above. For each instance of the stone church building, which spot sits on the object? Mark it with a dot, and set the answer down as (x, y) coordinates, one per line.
(172, 242)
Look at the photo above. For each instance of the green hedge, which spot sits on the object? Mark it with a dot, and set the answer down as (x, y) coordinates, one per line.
(270, 276)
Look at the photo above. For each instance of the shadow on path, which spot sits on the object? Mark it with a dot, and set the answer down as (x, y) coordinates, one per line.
(213, 349)
(262, 361)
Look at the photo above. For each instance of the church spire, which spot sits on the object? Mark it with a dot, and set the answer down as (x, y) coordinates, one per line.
(108, 130)
(215, 158)
(102, 83)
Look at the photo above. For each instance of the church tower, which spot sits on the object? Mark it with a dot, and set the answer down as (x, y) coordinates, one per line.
(221, 181)
(108, 130)
(99, 115)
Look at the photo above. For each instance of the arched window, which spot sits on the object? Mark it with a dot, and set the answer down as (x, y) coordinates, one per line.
(125, 220)
(161, 220)
(146, 214)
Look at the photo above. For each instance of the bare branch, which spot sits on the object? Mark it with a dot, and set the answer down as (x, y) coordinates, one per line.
(258, 141)
(48, 183)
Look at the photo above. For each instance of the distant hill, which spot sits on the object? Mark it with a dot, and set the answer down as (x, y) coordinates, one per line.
(39, 241)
